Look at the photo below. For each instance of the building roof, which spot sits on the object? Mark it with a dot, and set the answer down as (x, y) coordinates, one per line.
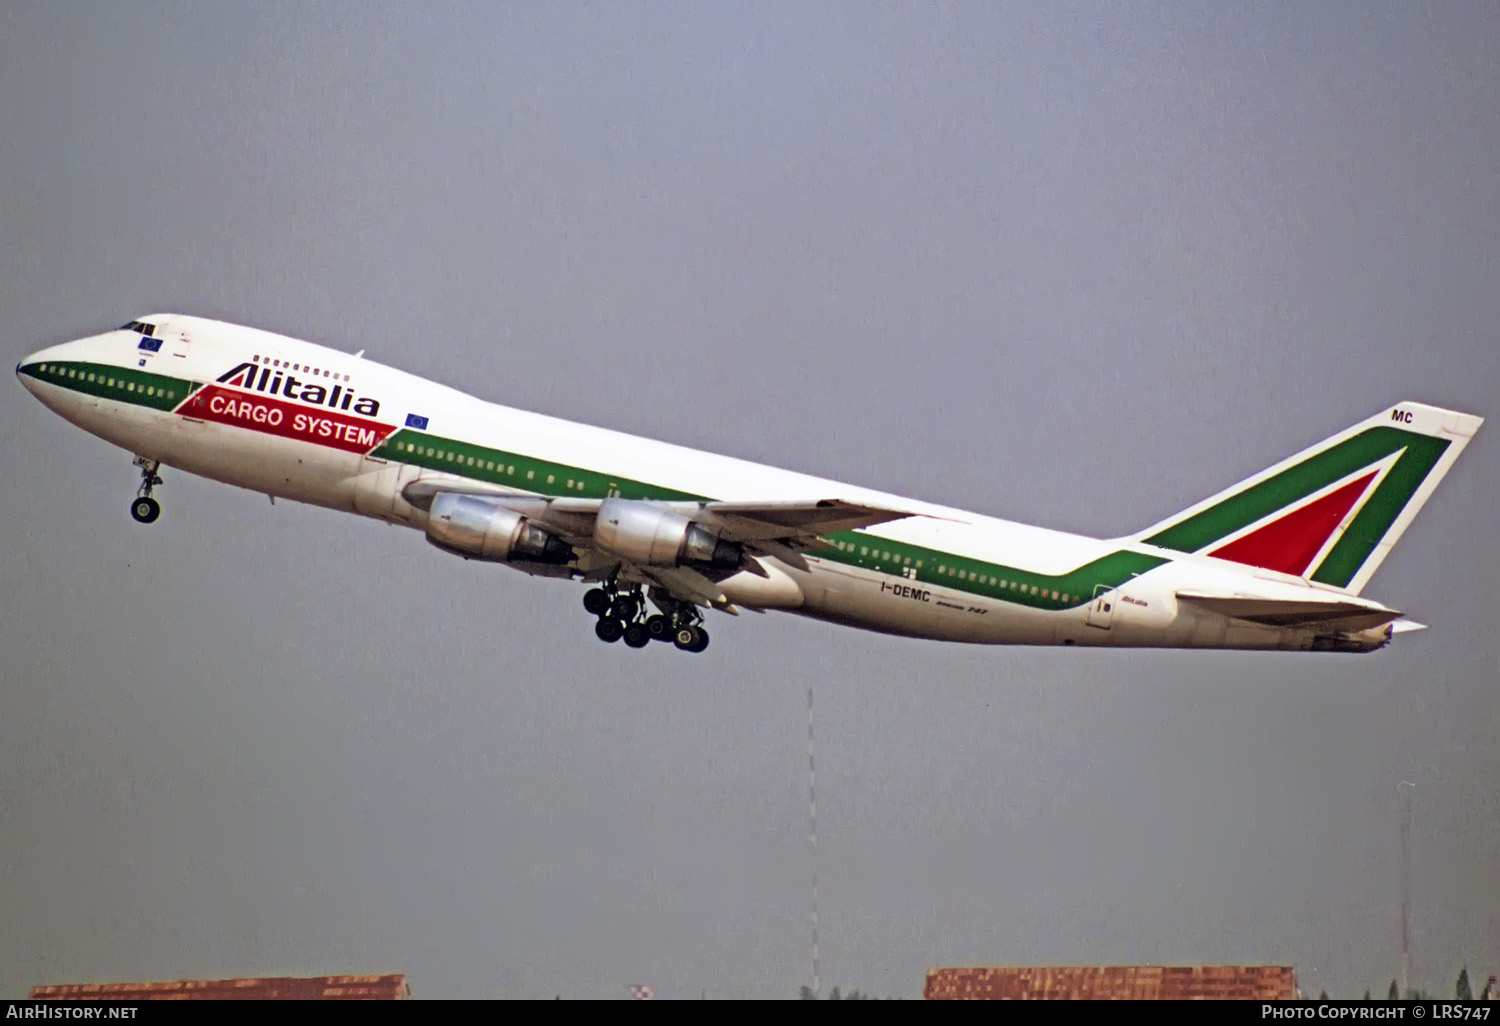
(389, 987)
(1250, 982)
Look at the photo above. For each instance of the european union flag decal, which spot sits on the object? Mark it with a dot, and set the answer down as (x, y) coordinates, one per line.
(413, 421)
(150, 345)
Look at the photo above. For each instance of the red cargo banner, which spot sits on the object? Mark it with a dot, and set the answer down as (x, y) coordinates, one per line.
(285, 419)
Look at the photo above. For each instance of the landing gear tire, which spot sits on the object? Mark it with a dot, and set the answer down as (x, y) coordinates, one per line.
(691, 639)
(596, 601)
(145, 510)
(625, 608)
(608, 629)
(637, 636)
(659, 627)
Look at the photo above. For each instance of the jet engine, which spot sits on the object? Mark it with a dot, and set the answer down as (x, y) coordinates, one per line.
(480, 528)
(652, 536)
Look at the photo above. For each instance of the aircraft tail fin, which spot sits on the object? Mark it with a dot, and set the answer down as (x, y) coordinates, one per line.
(1333, 512)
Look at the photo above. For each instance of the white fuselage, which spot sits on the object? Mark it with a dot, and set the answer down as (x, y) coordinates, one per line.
(314, 456)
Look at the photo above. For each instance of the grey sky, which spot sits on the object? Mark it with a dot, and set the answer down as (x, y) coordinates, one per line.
(1073, 265)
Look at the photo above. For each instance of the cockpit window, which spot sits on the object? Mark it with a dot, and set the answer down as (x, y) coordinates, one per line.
(141, 326)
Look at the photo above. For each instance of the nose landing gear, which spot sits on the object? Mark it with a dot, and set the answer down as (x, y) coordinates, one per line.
(144, 508)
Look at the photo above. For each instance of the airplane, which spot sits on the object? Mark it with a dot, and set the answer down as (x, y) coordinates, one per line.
(663, 534)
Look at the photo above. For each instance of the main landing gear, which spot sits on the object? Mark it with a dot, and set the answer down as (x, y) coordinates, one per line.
(622, 615)
(144, 508)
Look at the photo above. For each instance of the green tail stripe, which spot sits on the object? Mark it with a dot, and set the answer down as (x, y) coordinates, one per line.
(1380, 512)
(1317, 472)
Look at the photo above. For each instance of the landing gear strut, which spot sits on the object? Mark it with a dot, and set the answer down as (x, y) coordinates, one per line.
(144, 508)
(621, 614)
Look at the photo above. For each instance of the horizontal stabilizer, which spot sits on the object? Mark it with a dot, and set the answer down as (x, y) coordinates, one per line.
(1340, 615)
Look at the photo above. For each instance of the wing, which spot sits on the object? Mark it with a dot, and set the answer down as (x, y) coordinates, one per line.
(1341, 615)
(782, 529)
(784, 521)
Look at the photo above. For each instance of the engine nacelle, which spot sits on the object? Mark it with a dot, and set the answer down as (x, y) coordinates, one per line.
(651, 536)
(481, 528)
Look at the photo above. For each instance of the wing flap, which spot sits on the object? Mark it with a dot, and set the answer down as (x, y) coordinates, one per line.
(787, 521)
(1339, 615)
(684, 583)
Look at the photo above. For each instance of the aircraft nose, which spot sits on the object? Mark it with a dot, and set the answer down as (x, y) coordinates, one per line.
(34, 369)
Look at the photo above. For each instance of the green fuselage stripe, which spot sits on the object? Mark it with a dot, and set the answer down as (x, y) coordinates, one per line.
(122, 384)
(908, 564)
(516, 470)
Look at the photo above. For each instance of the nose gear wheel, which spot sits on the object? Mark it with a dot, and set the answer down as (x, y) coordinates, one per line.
(144, 509)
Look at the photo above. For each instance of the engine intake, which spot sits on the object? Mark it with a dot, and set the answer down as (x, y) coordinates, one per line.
(652, 536)
(480, 528)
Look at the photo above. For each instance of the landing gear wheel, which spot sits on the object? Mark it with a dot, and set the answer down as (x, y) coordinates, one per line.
(608, 629)
(596, 601)
(625, 608)
(659, 627)
(637, 636)
(691, 639)
(145, 510)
